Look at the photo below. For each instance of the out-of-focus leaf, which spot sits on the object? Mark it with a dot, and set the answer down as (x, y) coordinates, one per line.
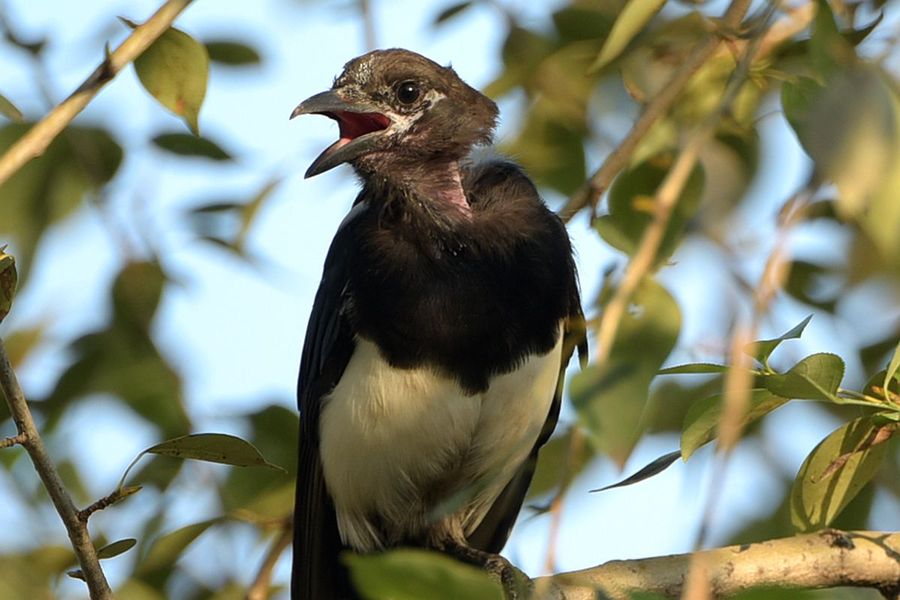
(213, 447)
(828, 50)
(631, 206)
(135, 589)
(275, 429)
(816, 499)
(558, 461)
(522, 52)
(9, 277)
(116, 548)
(165, 551)
(702, 419)
(550, 151)
(21, 342)
(590, 22)
(634, 16)
(185, 144)
(123, 360)
(816, 377)
(611, 399)
(852, 136)
(654, 468)
(415, 574)
(803, 284)
(451, 11)
(694, 368)
(175, 70)
(762, 349)
(52, 186)
(9, 110)
(231, 53)
(137, 292)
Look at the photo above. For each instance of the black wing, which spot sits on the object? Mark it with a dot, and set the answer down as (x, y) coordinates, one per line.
(493, 531)
(317, 571)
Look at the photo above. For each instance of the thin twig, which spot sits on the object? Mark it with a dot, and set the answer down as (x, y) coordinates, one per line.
(12, 441)
(259, 589)
(823, 559)
(35, 142)
(589, 193)
(664, 202)
(34, 446)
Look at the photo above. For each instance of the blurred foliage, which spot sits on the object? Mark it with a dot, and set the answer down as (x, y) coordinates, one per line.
(574, 79)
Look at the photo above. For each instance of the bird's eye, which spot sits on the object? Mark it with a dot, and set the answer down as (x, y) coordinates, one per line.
(408, 92)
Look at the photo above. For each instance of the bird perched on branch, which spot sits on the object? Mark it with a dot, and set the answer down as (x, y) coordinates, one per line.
(447, 312)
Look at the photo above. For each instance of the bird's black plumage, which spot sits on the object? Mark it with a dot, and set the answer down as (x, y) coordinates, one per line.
(458, 277)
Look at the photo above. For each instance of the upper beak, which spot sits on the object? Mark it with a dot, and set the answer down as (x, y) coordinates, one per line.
(359, 124)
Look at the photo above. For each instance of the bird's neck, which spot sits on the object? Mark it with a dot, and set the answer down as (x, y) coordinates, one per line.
(432, 188)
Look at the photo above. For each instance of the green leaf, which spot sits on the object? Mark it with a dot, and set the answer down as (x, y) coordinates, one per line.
(53, 185)
(116, 548)
(798, 97)
(416, 574)
(175, 70)
(702, 419)
(558, 461)
(611, 399)
(9, 110)
(828, 50)
(762, 349)
(233, 54)
(8, 280)
(631, 206)
(816, 377)
(654, 468)
(823, 487)
(451, 11)
(185, 144)
(213, 447)
(634, 16)
(165, 551)
(889, 373)
(694, 368)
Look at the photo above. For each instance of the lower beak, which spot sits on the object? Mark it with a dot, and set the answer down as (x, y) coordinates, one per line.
(360, 123)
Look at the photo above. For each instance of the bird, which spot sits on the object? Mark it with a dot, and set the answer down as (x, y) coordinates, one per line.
(432, 367)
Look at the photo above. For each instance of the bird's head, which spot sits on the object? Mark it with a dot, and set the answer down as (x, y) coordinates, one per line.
(396, 108)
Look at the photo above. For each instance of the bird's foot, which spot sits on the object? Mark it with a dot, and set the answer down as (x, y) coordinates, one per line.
(516, 584)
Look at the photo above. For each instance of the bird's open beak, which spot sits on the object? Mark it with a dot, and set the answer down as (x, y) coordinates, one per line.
(360, 127)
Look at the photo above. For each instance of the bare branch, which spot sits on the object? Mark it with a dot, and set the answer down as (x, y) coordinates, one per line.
(34, 445)
(259, 589)
(33, 143)
(12, 441)
(817, 560)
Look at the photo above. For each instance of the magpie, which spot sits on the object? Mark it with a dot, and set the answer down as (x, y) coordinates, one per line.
(447, 312)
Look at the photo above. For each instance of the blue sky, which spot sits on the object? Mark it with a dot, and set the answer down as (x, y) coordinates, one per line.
(236, 334)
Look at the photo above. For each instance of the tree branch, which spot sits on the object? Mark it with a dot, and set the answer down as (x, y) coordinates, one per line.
(590, 192)
(817, 560)
(33, 143)
(31, 440)
(262, 583)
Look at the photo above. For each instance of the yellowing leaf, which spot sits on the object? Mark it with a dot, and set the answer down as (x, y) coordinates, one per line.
(175, 70)
(633, 18)
(823, 487)
(8, 279)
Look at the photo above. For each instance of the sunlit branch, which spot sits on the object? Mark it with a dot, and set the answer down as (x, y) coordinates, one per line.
(824, 559)
(39, 137)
